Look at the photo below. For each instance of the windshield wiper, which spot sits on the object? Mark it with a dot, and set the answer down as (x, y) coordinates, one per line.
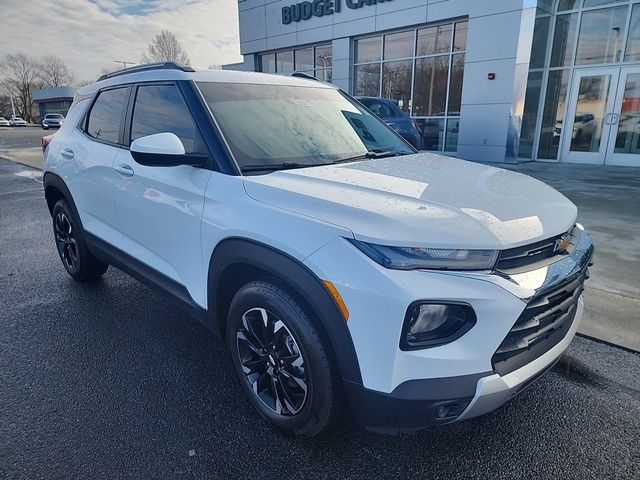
(270, 167)
(371, 154)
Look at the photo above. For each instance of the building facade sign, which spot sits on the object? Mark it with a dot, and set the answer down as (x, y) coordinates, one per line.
(320, 8)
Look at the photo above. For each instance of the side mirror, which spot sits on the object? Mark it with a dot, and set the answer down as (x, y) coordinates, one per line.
(164, 150)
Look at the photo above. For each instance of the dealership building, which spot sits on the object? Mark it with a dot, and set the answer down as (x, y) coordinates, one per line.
(487, 80)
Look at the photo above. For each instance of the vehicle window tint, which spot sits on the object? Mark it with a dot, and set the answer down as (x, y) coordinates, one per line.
(160, 109)
(380, 109)
(106, 114)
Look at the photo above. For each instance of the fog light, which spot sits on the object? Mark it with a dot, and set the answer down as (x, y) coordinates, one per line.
(431, 324)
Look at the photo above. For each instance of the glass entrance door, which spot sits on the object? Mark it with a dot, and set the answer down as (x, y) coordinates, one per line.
(587, 124)
(624, 137)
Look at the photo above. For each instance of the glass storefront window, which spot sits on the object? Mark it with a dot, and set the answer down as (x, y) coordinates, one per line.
(422, 69)
(323, 56)
(368, 49)
(539, 43)
(453, 127)
(432, 132)
(284, 61)
(632, 52)
(430, 86)
(552, 117)
(460, 37)
(628, 134)
(530, 115)
(564, 40)
(303, 59)
(602, 34)
(367, 79)
(268, 63)
(315, 60)
(455, 85)
(396, 82)
(568, 5)
(399, 45)
(434, 40)
(595, 3)
(323, 74)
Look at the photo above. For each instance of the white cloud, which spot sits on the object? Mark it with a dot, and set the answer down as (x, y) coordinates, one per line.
(90, 35)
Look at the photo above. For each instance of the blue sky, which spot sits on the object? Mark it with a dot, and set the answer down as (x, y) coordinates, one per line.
(90, 34)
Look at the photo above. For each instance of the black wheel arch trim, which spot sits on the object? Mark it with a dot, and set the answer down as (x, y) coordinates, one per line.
(242, 251)
(52, 180)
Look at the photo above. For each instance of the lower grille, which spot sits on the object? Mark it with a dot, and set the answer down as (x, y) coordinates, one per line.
(542, 325)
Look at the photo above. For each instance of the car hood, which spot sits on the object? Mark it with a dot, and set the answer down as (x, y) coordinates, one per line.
(421, 200)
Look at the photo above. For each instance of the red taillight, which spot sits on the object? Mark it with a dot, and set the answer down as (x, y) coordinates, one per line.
(45, 142)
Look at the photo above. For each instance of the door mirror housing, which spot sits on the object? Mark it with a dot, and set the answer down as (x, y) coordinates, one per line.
(164, 150)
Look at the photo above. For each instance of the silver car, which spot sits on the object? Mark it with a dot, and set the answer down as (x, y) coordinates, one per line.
(52, 120)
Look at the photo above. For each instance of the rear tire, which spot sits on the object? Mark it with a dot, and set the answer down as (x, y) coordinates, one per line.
(283, 363)
(72, 248)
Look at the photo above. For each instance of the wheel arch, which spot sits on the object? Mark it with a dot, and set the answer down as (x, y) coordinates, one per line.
(235, 261)
(56, 189)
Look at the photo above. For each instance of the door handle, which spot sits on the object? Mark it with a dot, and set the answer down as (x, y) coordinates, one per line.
(67, 153)
(607, 118)
(125, 170)
(614, 118)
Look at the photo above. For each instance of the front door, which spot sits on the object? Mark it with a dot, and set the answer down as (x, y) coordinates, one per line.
(624, 136)
(587, 124)
(602, 121)
(160, 208)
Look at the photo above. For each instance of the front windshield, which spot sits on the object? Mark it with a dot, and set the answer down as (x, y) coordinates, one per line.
(280, 125)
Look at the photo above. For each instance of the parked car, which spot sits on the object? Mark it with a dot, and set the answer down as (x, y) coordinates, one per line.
(346, 271)
(17, 122)
(4, 122)
(389, 111)
(52, 120)
(583, 125)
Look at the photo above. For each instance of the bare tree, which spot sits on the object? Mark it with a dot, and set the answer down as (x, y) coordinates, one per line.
(164, 48)
(5, 106)
(83, 83)
(54, 72)
(20, 76)
(109, 69)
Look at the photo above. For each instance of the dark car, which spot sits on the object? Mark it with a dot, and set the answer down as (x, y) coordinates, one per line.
(52, 120)
(389, 111)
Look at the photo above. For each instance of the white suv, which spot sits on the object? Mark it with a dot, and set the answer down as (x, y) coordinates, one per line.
(347, 272)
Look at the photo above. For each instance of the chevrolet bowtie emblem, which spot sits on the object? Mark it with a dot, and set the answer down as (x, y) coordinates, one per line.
(562, 243)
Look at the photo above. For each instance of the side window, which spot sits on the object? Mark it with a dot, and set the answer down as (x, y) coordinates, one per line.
(380, 109)
(106, 115)
(160, 109)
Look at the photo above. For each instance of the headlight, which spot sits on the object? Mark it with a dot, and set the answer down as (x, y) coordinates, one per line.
(410, 258)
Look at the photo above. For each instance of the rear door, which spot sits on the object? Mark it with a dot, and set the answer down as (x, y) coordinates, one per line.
(89, 152)
(160, 208)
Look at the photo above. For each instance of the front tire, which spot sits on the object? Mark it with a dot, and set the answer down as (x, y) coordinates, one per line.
(282, 361)
(72, 248)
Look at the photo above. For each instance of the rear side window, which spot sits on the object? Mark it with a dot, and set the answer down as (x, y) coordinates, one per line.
(160, 109)
(106, 115)
(380, 109)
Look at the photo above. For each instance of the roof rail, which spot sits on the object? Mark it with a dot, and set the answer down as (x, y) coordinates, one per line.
(304, 75)
(146, 67)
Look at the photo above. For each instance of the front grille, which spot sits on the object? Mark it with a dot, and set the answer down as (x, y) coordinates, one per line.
(542, 325)
(536, 255)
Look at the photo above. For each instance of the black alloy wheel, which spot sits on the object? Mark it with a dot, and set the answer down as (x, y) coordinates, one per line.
(66, 241)
(272, 361)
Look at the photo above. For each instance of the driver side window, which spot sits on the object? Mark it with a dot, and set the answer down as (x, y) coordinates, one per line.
(160, 109)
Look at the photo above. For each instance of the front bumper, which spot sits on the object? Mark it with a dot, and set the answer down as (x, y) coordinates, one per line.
(404, 391)
(418, 404)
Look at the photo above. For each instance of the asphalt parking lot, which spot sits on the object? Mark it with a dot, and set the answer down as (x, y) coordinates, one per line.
(108, 380)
